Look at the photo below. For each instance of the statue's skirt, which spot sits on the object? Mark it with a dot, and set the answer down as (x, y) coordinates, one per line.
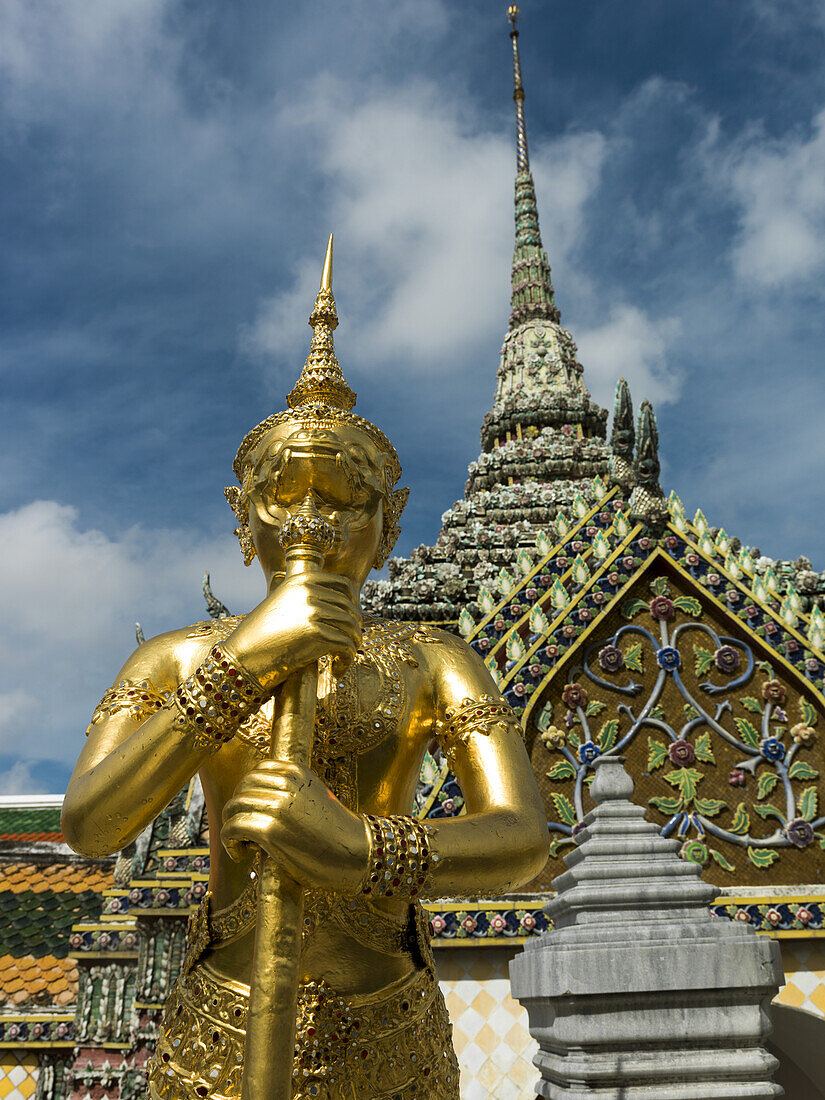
(395, 1043)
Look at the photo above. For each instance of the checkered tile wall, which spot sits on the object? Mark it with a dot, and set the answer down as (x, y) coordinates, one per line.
(490, 1033)
(18, 1074)
(804, 963)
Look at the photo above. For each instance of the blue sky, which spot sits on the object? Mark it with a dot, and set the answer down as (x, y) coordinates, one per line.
(170, 173)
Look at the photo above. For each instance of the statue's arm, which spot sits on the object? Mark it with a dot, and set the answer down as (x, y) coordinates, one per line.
(132, 764)
(501, 843)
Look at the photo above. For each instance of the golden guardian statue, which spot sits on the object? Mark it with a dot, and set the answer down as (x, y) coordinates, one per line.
(309, 971)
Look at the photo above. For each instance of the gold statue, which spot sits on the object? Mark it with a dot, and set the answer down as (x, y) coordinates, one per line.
(308, 722)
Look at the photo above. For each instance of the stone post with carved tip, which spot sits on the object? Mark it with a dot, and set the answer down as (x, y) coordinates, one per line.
(638, 991)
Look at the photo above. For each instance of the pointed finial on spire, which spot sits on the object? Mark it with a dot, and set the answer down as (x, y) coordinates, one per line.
(326, 274)
(532, 297)
(322, 380)
(522, 155)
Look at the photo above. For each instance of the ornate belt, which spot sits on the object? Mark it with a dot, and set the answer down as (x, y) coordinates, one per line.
(385, 932)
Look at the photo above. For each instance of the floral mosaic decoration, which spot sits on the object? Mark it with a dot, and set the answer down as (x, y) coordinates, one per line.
(774, 749)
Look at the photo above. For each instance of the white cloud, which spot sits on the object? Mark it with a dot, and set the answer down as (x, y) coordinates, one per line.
(71, 597)
(19, 780)
(779, 185)
(15, 708)
(632, 345)
(423, 220)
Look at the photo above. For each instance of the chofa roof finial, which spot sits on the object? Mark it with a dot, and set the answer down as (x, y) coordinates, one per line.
(647, 503)
(622, 439)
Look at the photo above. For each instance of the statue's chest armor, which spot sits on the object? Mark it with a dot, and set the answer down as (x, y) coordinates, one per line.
(356, 712)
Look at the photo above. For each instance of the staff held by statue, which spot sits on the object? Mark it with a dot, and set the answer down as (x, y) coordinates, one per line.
(270, 1035)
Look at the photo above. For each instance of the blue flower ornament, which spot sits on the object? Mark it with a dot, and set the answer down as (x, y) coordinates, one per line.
(588, 752)
(668, 658)
(772, 748)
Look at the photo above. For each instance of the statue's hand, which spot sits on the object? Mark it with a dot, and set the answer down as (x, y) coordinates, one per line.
(293, 816)
(303, 619)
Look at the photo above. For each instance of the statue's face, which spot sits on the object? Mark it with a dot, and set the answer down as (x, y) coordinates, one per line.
(343, 469)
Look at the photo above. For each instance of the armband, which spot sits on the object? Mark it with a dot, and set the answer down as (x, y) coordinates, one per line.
(139, 697)
(402, 858)
(483, 715)
(217, 697)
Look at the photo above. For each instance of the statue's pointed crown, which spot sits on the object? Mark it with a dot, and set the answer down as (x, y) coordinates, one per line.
(322, 379)
(321, 397)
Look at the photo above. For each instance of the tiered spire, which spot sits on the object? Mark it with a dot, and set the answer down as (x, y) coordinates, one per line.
(543, 442)
(532, 296)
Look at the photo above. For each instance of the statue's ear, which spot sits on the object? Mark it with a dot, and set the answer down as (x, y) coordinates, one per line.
(233, 499)
(260, 485)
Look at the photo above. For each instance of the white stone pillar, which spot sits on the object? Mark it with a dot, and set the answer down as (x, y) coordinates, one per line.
(638, 993)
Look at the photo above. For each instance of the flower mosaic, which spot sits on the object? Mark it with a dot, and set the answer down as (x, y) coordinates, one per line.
(786, 915)
(51, 1032)
(693, 697)
(497, 923)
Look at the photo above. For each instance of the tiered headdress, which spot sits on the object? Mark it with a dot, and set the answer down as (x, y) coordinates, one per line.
(321, 398)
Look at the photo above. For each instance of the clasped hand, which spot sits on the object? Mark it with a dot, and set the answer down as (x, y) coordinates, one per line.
(292, 815)
(302, 619)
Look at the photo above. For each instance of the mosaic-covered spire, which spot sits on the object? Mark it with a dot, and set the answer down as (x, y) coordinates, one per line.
(544, 454)
(532, 295)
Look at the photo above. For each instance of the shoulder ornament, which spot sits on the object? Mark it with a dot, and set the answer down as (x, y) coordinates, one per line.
(484, 715)
(140, 698)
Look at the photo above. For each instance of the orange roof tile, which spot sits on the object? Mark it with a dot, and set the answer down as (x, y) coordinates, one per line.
(44, 980)
(76, 877)
(53, 838)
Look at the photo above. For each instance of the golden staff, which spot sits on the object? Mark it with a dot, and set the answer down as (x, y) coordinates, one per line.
(307, 538)
(270, 1032)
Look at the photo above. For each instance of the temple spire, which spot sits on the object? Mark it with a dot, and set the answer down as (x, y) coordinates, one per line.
(532, 296)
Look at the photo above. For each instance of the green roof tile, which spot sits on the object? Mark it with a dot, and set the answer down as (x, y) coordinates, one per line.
(21, 819)
(39, 923)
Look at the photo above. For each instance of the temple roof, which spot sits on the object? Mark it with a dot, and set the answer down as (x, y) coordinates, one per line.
(30, 823)
(39, 904)
(746, 662)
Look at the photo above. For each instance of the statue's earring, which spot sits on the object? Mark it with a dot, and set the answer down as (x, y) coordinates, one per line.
(237, 502)
(394, 503)
(244, 537)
